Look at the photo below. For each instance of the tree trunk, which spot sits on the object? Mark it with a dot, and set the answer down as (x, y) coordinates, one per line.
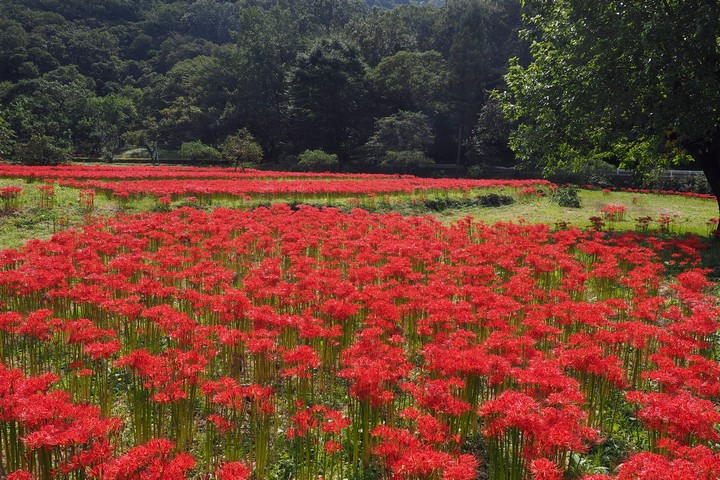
(708, 157)
(459, 151)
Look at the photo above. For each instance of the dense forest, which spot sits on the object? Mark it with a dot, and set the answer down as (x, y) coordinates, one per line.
(371, 83)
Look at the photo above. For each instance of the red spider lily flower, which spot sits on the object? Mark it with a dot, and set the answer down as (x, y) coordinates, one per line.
(438, 395)
(682, 463)
(169, 373)
(407, 457)
(334, 422)
(544, 469)
(234, 471)
(331, 446)
(21, 475)
(229, 393)
(221, 423)
(681, 415)
(304, 358)
(153, 460)
(372, 366)
(547, 429)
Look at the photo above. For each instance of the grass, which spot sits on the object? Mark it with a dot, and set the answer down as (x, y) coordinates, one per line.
(689, 215)
(32, 220)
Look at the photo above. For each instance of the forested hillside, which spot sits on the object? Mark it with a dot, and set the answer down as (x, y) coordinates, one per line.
(381, 82)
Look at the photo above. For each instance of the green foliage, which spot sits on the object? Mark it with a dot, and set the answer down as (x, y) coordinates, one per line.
(638, 79)
(386, 32)
(325, 89)
(196, 151)
(490, 200)
(489, 139)
(495, 200)
(39, 150)
(412, 80)
(110, 117)
(403, 131)
(101, 76)
(566, 197)
(241, 148)
(7, 137)
(404, 160)
(318, 161)
(476, 171)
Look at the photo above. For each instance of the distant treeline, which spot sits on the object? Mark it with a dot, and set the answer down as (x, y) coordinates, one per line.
(389, 83)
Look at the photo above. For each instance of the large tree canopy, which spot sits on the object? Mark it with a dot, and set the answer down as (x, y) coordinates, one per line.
(628, 80)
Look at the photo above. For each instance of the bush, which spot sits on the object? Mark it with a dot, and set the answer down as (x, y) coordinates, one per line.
(476, 171)
(495, 200)
(197, 150)
(566, 197)
(318, 161)
(696, 183)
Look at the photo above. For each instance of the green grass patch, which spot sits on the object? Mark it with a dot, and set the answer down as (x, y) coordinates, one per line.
(35, 218)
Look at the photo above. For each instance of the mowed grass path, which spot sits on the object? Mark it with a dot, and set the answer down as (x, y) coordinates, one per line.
(32, 220)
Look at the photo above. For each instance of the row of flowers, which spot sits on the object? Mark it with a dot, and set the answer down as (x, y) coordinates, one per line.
(305, 187)
(135, 172)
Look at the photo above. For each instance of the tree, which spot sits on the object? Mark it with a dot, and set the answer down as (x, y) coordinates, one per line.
(383, 33)
(412, 80)
(400, 141)
(489, 139)
(634, 82)
(241, 148)
(7, 137)
(477, 37)
(39, 150)
(111, 116)
(326, 90)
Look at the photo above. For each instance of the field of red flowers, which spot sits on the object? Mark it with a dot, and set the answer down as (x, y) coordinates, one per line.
(306, 343)
(143, 172)
(307, 188)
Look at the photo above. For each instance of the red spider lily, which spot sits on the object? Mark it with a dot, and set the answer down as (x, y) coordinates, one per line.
(308, 187)
(682, 463)
(373, 366)
(438, 396)
(520, 429)
(681, 416)
(227, 392)
(226, 324)
(613, 213)
(407, 457)
(544, 469)
(169, 374)
(51, 424)
(153, 460)
(233, 471)
(9, 197)
(303, 358)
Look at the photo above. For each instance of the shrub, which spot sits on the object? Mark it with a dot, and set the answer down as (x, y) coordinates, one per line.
(566, 197)
(476, 171)
(495, 200)
(197, 150)
(317, 160)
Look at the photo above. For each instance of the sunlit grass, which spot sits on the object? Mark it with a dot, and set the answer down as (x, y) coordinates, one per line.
(686, 215)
